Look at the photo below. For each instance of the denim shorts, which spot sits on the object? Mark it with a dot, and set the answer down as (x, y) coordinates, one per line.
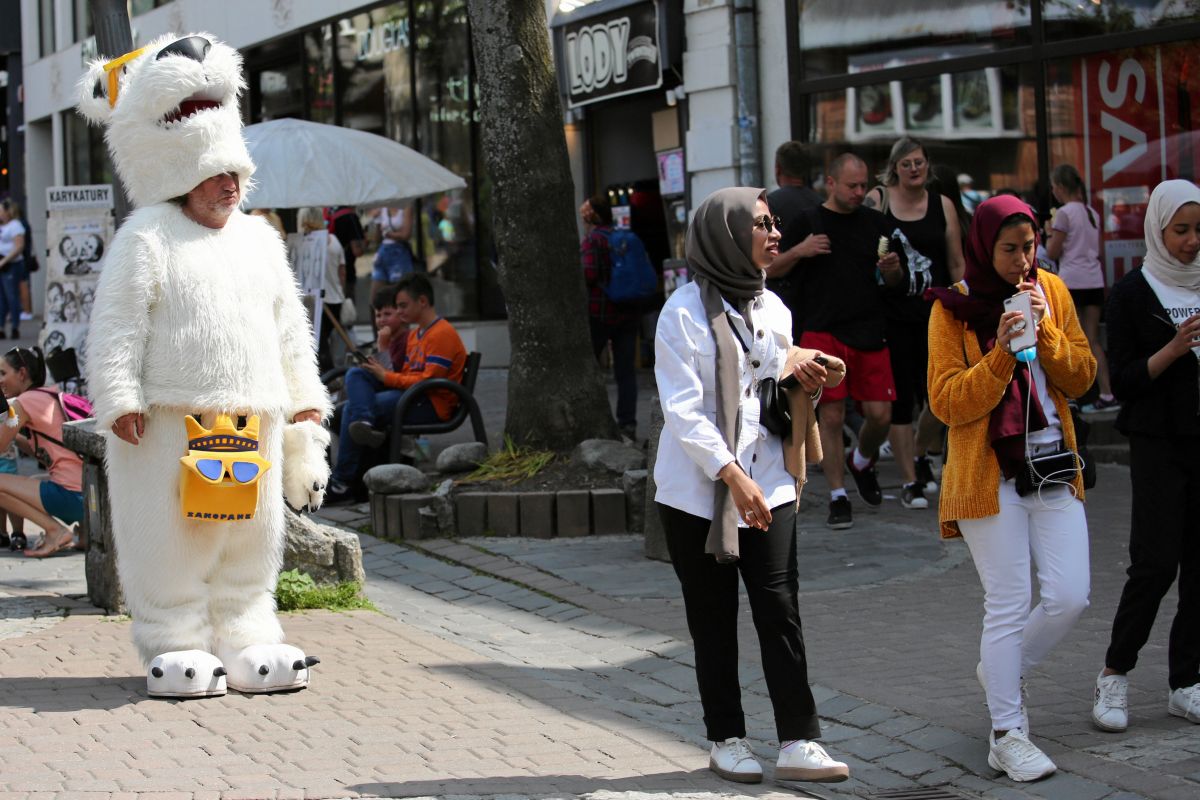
(392, 261)
(61, 503)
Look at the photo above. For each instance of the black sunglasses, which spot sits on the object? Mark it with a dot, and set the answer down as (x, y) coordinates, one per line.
(769, 222)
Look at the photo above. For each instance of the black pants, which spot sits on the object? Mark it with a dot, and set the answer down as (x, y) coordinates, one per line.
(624, 355)
(1163, 542)
(710, 597)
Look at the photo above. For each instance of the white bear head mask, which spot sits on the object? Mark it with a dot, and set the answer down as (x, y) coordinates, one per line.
(171, 115)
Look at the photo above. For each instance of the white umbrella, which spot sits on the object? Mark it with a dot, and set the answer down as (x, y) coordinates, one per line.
(299, 163)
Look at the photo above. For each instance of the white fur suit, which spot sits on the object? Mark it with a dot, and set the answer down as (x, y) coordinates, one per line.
(196, 320)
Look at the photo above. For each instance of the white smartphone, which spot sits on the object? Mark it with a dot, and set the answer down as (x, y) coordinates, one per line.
(1027, 337)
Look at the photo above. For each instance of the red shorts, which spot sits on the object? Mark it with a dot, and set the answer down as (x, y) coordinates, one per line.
(868, 372)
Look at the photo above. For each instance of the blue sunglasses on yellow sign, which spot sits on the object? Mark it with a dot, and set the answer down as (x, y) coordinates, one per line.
(219, 476)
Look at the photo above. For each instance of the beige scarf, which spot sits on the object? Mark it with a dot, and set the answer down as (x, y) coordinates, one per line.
(719, 258)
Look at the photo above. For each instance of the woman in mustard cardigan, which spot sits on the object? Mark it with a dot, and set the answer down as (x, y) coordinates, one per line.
(1001, 408)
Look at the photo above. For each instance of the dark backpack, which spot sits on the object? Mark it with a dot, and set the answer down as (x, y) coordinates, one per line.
(631, 279)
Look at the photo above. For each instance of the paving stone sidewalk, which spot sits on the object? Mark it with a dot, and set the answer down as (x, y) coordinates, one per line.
(561, 669)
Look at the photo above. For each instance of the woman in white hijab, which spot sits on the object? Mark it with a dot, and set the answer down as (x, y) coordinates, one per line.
(1154, 349)
(728, 474)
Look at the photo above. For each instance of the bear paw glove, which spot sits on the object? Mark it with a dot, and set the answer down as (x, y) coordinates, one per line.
(305, 468)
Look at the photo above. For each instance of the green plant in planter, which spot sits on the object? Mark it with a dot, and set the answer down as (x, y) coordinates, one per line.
(511, 464)
(297, 590)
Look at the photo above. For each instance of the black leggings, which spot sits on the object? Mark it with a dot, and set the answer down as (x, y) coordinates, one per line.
(1163, 544)
(710, 597)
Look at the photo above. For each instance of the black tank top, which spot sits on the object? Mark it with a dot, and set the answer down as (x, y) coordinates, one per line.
(923, 245)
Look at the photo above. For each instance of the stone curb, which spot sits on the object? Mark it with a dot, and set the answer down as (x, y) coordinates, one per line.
(544, 515)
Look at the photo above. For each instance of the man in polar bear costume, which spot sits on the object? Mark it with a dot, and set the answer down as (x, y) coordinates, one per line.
(197, 314)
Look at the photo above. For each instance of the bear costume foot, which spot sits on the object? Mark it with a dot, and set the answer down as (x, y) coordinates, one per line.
(263, 668)
(186, 673)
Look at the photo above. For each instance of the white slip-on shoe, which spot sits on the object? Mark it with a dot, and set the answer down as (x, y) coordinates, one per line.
(733, 761)
(1185, 703)
(1017, 757)
(1024, 695)
(184, 674)
(266, 668)
(1110, 709)
(804, 760)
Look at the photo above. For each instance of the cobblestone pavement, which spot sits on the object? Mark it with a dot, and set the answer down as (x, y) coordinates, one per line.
(519, 668)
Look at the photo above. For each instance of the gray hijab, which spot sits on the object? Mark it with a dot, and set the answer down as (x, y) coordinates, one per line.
(719, 258)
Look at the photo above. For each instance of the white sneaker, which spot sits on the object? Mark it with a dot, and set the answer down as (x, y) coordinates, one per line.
(1185, 703)
(1110, 710)
(1024, 695)
(733, 761)
(803, 760)
(1018, 757)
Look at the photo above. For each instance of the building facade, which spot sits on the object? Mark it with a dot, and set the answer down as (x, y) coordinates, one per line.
(665, 101)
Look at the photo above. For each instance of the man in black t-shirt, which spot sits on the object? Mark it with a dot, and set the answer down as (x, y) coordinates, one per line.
(839, 296)
(789, 202)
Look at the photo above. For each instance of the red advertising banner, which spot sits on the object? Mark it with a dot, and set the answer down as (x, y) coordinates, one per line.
(1137, 127)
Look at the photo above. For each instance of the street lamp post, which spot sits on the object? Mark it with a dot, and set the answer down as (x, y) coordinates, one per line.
(114, 38)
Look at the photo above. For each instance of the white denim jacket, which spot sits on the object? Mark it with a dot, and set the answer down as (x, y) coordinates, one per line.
(691, 450)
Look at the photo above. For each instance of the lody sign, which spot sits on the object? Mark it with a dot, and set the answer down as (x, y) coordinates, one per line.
(610, 55)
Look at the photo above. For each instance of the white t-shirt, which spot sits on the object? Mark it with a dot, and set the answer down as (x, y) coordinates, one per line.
(1178, 302)
(390, 222)
(333, 283)
(9, 232)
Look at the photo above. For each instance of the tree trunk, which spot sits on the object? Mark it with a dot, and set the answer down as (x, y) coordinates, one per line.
(556, 395)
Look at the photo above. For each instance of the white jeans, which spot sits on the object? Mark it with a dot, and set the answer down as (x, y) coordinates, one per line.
(1054, 530)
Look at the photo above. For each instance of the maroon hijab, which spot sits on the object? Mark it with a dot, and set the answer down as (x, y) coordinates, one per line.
(981, 311)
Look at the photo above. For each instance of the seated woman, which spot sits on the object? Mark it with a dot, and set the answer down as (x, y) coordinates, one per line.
(54, 502)
(1011, 485)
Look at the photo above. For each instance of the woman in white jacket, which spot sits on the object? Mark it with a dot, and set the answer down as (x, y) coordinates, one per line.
(724, 494)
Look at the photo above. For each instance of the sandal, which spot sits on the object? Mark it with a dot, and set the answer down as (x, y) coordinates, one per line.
(45, 549)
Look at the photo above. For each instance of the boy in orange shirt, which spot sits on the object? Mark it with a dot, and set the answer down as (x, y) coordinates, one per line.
(433, 350)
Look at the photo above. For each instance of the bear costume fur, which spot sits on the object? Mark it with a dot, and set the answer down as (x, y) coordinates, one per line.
(190, 319)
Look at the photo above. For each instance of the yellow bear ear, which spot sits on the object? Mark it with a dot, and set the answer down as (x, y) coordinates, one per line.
(194, 429)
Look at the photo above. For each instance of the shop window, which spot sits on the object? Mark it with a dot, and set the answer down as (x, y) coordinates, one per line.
(980, 122)
(83, 19)
(374, 54)
(318, 65)
(1064, 20)
(840, 36)
(86, 158)
(137, 7)
(447, 103)
(1127, 120)
(281, 92)
(46, 26)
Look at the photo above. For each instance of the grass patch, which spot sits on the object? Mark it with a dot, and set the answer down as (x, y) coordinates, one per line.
(297, 590)
(510, 465)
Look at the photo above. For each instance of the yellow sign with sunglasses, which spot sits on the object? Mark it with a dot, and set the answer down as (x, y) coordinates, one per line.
(219, 476)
